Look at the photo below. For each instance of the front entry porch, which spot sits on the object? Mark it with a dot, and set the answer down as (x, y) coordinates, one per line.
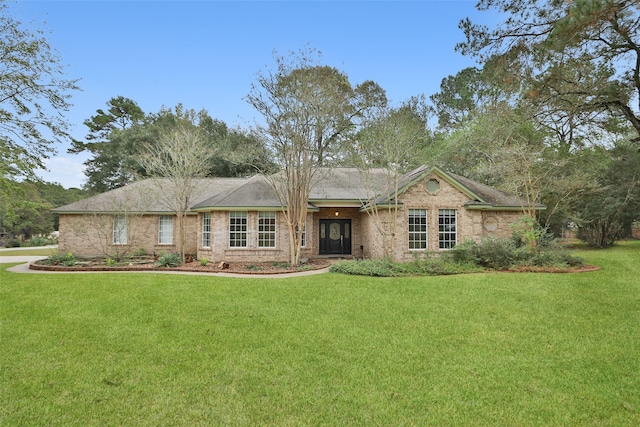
(335, 237)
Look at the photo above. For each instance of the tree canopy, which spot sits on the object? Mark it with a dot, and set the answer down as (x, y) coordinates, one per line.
(117, 136)
(33, 94)
(582, 56)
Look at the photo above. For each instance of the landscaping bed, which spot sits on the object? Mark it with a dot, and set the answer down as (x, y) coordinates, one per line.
(150, 264)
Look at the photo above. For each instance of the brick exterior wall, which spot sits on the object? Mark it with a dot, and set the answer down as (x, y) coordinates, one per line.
(220, 250)
(471, 224)
(91, 235)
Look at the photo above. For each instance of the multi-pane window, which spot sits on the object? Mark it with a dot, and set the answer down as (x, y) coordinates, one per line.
(266, 229)
(165, 230)
(206, 230)
(417, 229)
(303, 237)
(119, 230)
(447, 229)
(237, 229)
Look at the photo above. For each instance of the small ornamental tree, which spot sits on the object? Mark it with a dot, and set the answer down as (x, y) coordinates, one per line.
(181, 155)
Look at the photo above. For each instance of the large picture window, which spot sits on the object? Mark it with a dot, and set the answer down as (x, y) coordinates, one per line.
(237, 229)
(417, 229)
(206, 230)
(165, 230)
(447, 228)
(266, 229)
(120, 230)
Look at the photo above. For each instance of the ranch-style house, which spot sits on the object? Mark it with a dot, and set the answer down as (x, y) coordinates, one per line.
(241, 219)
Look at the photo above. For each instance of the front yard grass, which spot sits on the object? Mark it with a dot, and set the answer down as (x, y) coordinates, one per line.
(477, 349)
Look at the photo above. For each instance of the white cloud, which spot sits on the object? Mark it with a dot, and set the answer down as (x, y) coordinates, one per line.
(66, 171)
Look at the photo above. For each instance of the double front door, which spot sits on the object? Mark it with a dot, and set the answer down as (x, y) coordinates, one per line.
(335, 237)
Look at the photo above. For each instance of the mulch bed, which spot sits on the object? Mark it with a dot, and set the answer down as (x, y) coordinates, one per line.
(255, 268)
(238, 268)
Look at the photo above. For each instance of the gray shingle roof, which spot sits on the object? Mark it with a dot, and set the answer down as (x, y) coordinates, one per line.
(252, 192)
(331, 184)
(146, 196)
(488, 195)
(347, 184)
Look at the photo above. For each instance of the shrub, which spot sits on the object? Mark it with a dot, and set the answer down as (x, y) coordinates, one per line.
(203, 262)
(464, 252)
(365, 267)
(14, 243)
(139, 252)
(168, 260)
(429, 265)
(493, 253)
(68, 259)
(467, 257)
(40, 241)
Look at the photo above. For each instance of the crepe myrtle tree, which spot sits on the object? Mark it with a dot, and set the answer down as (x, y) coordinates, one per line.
(180, 156)
(310, 114)
(387, 147)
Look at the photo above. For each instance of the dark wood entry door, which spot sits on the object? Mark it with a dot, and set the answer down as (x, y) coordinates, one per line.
(335, 237)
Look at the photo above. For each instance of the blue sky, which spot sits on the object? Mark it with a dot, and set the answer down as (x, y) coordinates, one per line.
(206, 54)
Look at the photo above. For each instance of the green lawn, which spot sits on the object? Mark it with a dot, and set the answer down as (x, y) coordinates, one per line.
(28, 252)
(480, 349)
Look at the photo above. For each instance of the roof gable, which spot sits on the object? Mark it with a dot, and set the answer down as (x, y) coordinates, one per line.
(480, 196)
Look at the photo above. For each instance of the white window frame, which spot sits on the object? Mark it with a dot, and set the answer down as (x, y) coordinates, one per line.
(165, 230)
(238, 229)
(119, 230)
(267, 229)
(206, 229)
(303, 236)
(447, 228)
(417, 232)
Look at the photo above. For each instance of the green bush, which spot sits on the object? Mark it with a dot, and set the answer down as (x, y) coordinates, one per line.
(428, 265)
(464, 253)
(41, 241)
(168, 260)
(204, 262)
(139, 252)
(68, 259)
(366, 267)
(468, 257)
(14, 243)
(498, 254)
